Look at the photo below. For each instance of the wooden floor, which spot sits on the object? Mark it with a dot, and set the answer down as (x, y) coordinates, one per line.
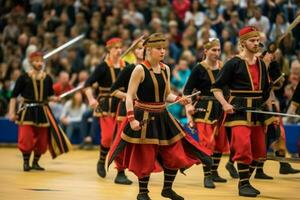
(73, 176)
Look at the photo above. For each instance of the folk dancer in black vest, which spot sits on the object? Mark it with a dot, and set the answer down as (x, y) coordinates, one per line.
(106, 105)
(246, 77)
(34, 118)
(153, 139)
(210, 135)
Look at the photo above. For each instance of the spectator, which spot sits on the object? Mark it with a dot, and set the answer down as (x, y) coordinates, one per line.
(72, 115)
(261, 22)
(63, 84)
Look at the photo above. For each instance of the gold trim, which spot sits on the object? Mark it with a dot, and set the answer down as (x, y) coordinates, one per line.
(250, 75)
(246, 91)
(120, 118)
(35, 89)
(33, 124)
(208, 110)
(176, 124)
(155, 84)
(112, 74)
(249, 105)
(260, 75)
(23, 115)
(152, 141)
(166, 85)
(144, 127)
(41, 89)
(205, 121)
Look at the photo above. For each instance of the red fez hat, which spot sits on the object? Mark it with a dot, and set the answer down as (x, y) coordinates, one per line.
(248, 32)
(113, 41)
(36, 54)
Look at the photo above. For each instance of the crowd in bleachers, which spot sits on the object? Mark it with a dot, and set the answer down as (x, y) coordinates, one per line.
(26, 26)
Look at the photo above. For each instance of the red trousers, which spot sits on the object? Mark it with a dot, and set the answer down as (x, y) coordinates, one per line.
(217, 143)
(248, 143)
(107, 125)
(32, 138)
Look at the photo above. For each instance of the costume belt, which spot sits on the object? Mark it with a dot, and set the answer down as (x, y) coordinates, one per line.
(150, 106)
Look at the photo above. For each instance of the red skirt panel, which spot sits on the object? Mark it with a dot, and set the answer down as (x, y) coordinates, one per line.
(248, 143)
(32, 138)
(217, 143)
(107, 124)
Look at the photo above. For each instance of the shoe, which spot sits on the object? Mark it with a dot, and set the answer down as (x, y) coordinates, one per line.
(208, 182)
(262, 175)
(169, 193)
(121, 178)
(247, 191)
(26, 166)
(232, 171)
(254, 189)
(143, 196)
(216, 178)
(36, 166)
(101, 169)
(286, 168)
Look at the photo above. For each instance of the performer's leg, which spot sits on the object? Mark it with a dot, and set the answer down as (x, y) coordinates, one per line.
(245, 188)
(26, 144)
(214, 169)
(241, 144)
(285, 167)
(230, 163)
(41, 144)
(101, 162)
(208, 181)
(260, 174)
(143, 188)
(167, 191)
(107, 126)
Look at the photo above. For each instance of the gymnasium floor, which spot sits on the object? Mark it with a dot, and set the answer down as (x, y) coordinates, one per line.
(73, 177)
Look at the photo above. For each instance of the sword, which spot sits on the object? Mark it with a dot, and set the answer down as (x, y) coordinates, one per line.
(283, 159)
(133, 45)
(272, 113)
(67, 44)
(79, 87)
(188, 96)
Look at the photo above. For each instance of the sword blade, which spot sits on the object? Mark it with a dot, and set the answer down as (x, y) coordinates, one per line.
(273, 113)
(79, 87)
(67, 44)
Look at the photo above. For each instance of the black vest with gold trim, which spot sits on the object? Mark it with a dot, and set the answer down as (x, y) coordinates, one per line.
(105, 75)
(158, 125)
(35, 92)
(235, 74)
(201, 79)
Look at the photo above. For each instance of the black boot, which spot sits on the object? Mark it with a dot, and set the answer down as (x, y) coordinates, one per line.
(231, 169)
(286, 168)
(214, 173)
(169, 176)
(245, 189)
(208, 180)
(121, 178)
(101, 162)
(26, 166)
(252, 167)
(35, 164)
(260, 174)
(143, 189)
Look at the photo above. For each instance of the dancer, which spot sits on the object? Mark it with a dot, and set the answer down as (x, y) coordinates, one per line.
(246, 77)
(210, 135)
(106, 105)
(153, 135)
